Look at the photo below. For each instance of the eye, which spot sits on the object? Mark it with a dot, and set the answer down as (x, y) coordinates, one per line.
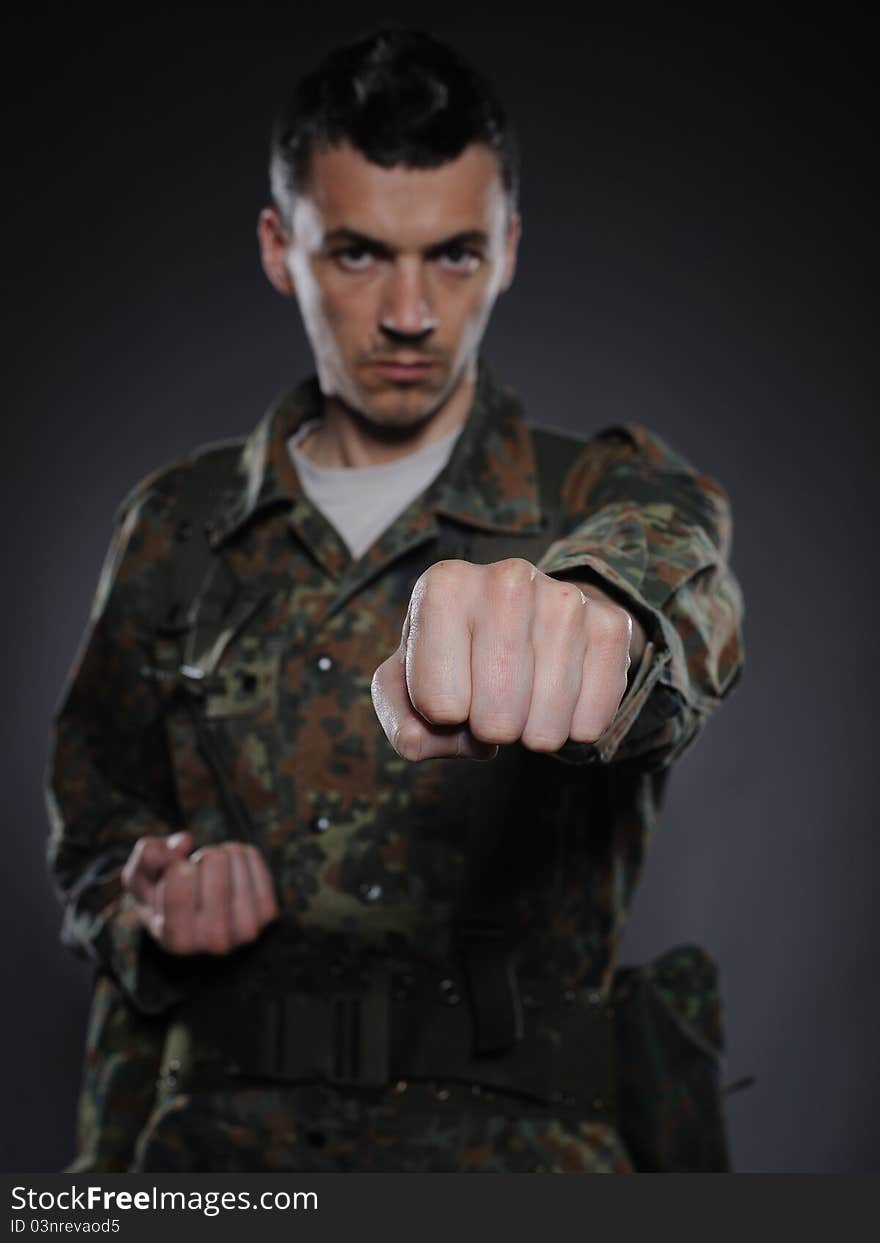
(354, 258)
(458, 259)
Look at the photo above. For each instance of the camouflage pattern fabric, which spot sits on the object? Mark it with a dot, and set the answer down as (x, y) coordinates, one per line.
(315, 1129)
(363, 845)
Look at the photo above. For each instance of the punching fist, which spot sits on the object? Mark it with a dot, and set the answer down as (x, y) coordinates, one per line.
(492, 654)
(209, 902)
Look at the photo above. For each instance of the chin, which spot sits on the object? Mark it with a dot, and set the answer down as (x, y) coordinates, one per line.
(401, 406)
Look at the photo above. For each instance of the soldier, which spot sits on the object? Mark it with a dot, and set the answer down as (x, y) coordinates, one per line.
(352, 778)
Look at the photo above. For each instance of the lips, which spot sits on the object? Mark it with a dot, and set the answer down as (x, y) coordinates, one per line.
(403, 369)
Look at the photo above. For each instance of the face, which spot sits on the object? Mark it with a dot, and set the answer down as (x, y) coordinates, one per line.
(395, 271)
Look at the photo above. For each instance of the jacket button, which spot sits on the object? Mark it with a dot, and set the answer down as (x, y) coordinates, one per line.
(325, 663)
(370, 892)
(320, 824)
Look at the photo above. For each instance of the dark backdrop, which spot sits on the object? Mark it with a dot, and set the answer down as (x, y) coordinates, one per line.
(698, 255)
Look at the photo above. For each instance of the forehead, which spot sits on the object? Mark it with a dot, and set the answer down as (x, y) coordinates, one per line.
(346, 190)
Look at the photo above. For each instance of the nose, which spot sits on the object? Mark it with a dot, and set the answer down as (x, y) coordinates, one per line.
(406, 313)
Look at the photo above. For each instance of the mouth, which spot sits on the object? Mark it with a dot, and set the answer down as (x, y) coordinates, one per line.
(403, 368)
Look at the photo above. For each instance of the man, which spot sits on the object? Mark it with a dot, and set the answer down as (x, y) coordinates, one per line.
(353, 776)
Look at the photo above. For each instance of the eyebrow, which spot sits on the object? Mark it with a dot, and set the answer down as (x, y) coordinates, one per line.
(469, 237)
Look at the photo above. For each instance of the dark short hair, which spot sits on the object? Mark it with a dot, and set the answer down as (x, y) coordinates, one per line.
(400, 97)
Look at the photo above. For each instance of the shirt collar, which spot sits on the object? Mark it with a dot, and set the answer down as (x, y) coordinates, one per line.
(489, 481)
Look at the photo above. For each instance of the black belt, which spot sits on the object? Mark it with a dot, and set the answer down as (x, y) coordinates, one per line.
(379, 1025)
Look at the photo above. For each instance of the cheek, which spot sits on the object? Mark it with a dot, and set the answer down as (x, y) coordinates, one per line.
(472, 310)
(471, 301)
(346, 310)
(324, 305)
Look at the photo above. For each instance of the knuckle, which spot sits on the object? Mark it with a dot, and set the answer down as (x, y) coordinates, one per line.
(512, 577)
(439, 581)
(565, 609)
(569, 599)
(613, 621)
(610, 631)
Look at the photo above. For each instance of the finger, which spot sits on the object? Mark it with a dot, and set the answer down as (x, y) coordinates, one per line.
(144, 866)
(153, 916)
(212, 917)
(410, 734)
(559, 643)
(436, 643)
(149, 859)
(262, 884)
(609, 633)
(179, 902)
(502, 657)
(244, 916)
(149, 912)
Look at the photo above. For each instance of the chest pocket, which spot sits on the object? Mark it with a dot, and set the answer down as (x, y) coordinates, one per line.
(245, 684)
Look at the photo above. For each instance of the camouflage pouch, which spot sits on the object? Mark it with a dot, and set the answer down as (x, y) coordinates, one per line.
(670, 1044)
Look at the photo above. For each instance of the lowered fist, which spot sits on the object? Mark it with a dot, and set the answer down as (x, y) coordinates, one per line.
(209, 902)
(497, 653)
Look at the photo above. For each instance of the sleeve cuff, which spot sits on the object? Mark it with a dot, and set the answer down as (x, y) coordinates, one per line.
(654, 713)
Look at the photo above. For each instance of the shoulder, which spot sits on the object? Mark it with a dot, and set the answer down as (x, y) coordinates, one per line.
(615, 442)
(629, 464)
(210, 467)
(576, 465)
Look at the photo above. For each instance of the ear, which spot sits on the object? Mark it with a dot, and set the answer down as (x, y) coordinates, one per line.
(511, 246)
(274, 244)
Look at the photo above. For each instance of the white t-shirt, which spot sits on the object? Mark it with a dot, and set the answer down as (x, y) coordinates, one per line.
(362, 501)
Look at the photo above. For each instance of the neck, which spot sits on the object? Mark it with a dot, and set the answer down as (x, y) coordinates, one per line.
(345, 438)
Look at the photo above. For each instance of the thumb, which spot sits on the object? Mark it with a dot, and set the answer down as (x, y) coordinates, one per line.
(150, 858)
(179, 845)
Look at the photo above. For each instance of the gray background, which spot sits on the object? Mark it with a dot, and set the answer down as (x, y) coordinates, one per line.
(698, 256)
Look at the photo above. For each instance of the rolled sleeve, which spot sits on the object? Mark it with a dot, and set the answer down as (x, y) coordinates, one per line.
(658, 541)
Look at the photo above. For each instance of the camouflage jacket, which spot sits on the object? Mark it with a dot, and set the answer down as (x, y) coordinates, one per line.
(368, 850)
